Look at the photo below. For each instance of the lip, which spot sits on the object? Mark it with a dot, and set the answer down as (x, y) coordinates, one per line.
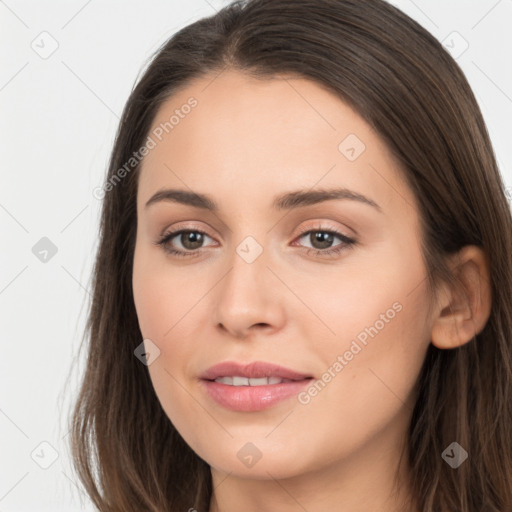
(253, 370)
(252, 398)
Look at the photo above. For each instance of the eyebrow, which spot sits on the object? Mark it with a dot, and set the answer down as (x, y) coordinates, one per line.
(287, 201)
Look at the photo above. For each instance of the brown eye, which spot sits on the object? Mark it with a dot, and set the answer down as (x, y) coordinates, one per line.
(191, 240)
(321, 239)
(183, 242)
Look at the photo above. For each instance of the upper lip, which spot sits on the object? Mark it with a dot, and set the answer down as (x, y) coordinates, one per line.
(253, 370)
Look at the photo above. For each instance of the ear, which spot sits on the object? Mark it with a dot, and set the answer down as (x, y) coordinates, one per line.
(463, 307)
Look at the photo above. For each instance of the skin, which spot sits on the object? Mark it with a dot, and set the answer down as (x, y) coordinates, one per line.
(245, 142)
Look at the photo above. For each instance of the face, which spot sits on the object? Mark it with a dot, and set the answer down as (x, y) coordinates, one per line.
(331, 287)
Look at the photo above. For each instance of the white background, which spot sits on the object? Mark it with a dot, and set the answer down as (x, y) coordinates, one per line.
(58, 120)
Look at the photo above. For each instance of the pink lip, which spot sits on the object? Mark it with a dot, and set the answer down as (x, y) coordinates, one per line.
(252, 398)
(254, 370)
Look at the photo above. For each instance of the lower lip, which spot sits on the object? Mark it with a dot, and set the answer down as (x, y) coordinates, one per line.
(252, 398)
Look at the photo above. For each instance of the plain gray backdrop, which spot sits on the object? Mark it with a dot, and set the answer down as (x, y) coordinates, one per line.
(67, 70)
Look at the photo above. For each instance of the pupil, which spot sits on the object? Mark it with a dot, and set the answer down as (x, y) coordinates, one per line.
(191, 237)
(325, 239)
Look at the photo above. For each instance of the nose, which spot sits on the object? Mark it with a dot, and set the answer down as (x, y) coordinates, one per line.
(249, 298)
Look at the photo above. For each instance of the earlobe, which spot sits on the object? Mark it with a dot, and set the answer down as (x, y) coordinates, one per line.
(465, 306)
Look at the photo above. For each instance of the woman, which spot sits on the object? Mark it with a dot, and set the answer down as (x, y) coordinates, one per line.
(303, 285)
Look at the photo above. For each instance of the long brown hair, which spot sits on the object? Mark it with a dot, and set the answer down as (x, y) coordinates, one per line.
(400, 79)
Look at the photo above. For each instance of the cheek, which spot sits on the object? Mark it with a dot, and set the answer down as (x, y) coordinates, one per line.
(166, 302)
(173, 306)
(370, 365)
(167, 316)
(370, 297)
(369, 329)
(162, 294)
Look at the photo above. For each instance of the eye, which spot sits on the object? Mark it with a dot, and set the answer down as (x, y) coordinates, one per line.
(190, 240)
(322, 239)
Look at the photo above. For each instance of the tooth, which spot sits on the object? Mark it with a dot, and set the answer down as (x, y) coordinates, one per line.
(244, 381)
(225, 380)
(263, 381)
(240, 381)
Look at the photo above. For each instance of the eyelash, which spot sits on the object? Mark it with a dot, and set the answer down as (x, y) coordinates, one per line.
(347, 242)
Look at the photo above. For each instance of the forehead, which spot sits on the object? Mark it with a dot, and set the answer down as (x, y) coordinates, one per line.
(284, 133)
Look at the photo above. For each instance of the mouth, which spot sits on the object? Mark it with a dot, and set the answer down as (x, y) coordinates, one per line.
(252, 371)
(245, 381)
(251, 387)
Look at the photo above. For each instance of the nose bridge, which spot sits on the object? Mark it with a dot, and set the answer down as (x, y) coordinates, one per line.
(247, 278)
(247, 294)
